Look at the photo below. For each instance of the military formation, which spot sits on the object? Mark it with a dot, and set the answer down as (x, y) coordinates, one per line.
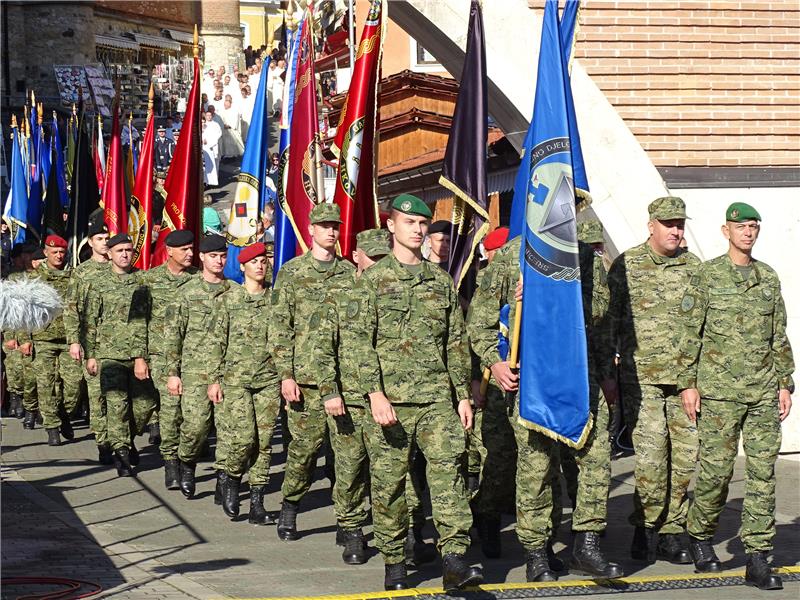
(411, 387)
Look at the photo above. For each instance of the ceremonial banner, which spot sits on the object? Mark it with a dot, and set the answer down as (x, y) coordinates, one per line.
(554, 379)
(140, 216)
(464, 166)
(53, 208)
(130, 159)
(72, 135)
(15, 212)
(83, 195)
(114, 205)
(355, 142)
(36, 190)
(99, 155)
(58, 160)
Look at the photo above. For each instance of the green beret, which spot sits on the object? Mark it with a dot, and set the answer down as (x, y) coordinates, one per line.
(325, 213)
(667, 208)
(739, 212)
(590, 232)
(411, 205)
(373, 242)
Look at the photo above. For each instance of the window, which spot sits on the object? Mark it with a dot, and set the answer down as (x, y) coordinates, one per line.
(422, 60)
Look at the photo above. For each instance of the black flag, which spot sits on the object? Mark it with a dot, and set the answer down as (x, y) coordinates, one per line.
(464, 168)
(53, 210)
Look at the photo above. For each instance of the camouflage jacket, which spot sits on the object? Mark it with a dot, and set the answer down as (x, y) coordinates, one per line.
(596, 297)
(643, 322)
(116, 317)
(303, 284)
(734, 344)
(409, 334)
(54, 332)
(82, 277)
(238, 346)
(190, 322)
(162, 286)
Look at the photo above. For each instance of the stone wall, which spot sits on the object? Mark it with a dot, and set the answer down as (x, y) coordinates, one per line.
(159, 11)
(220, 30)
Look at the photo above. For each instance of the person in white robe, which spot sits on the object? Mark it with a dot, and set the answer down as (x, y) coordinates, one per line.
(231, 145)
(212, 133)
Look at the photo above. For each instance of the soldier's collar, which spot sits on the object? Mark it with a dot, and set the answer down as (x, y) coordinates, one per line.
(755, 276)
(426, 272)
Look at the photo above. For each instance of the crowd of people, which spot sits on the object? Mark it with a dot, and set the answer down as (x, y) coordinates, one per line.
(382, 360)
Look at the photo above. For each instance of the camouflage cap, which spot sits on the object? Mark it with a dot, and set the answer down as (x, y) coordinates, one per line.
(411, 205)
(373, 242)
(666, 208)
(325, 213)
(590, 231)
(739, 212)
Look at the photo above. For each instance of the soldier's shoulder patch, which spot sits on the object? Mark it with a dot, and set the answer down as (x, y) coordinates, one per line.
(315, 320)
(687, 303)
(352, 309)
(694, 280)
(275, 297)
(767, 293)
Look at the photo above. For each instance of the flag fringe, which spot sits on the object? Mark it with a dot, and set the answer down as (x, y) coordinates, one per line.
(587, 429)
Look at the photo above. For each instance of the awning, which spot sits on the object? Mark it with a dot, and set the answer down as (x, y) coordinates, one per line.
(154, 41)
(113, 41)
(182, 36)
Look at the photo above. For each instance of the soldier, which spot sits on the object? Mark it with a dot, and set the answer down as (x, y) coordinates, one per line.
(414, 363)
(736, 359)
(165, 148)
(438, 242)
(189, 323)
(84, 275)
(163, 283)
(244, 385)
(646, 284)
(302, 284)
(116, 350)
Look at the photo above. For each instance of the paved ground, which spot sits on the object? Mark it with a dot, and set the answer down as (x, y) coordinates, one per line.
(63, 515)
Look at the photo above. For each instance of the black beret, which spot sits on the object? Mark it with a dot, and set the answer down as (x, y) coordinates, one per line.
(440, 226)
(120, 238)
(181, 237)
(213, 243)
(96, 228)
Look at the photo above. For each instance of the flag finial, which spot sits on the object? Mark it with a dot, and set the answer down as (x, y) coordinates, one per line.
(39, 113)
(196, 43)
(13, 121)
(151, 94)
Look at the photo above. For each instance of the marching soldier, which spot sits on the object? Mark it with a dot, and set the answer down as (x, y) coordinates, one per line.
(736, 381)
(165, 148)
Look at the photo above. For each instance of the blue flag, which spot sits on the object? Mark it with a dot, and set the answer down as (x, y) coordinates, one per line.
(15, 213)
(61, 166)
(42, 158)
(554, 372)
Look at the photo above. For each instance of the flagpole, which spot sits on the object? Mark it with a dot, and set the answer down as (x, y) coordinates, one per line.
(351, 7)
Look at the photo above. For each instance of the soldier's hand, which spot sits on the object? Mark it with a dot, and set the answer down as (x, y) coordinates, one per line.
(610, 391)
(478, 398)
(465, 413)
(91, 366)
(76, 352)
(11, 345)
(174, 385)
(784, 403)
(518, 291)
(382, 410)
(691, 403)
(215, 393)
(290, 390)
(140, 369)
(26, 348)
(501, 371)
(335, 407)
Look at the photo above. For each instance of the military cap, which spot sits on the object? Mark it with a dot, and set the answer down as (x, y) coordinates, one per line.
(666, 208)
(38, 254)
(181, 237)
(496, 239)
(325, 213)
(270, 249)
(411, 205)
(440, 226)
(55, 241)
(96, 228)
(162, 128)
(213, 243)
(251, 251)
(373, 242)
(590, 232)
(120, 238)
(739, 212)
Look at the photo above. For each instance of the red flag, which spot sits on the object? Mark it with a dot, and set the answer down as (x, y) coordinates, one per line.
(304, 188)
(140, 217)
(114, 185)
(184, 184)
(355, 141)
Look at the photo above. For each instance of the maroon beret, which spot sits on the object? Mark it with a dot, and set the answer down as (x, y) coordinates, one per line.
(251, 251)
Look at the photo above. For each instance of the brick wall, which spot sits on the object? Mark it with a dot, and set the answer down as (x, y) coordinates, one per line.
(700, 83)
(181, 13)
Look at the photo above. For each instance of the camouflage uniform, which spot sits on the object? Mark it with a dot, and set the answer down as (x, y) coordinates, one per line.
(20, 377)
(302, 284)
(163, 287)
(251, 392)
(736, 353)
(187, 329)
(116, 334)
(646, 291)
(411, 344)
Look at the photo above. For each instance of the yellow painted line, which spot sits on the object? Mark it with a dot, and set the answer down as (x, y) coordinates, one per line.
(499, 587)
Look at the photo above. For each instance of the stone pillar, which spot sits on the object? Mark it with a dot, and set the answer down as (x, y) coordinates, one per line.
(220, 31)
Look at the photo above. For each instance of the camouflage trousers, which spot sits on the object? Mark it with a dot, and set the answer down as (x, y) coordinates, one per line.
(720, 424)
(30, 393)
(196, 412)
(498, 467)
(440, 437)
(351, 465)
(58, 380)
(98, 416)
(15, 377)
(249, 416)
(665, 443)
(414, 487)
(129, 402)
(307, 424)
(169, 407)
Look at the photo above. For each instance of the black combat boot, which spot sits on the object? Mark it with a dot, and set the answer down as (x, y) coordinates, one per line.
(671, 549)
(556, 564)
(287, 521)
(759, 574)
(473, 483)
(355, 547)
(155, 434)
(133, 453)
(53, 439)
(29, 421)
(16, 409)
(122, 461)
(187, 478)
(104, 454)
(230, 496)
(339, 536)
(489, 533)
(66, 425)
(394, 577)
(417, 551)
(703, 555)
(643, 546)
(536, 567)
(587, 559)
(172, 478)
(258, 515)
(457, 574)
(219, 488)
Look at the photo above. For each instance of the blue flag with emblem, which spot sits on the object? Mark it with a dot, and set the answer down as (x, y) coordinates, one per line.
(554, 372)
(15, 212)
(61, 166)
